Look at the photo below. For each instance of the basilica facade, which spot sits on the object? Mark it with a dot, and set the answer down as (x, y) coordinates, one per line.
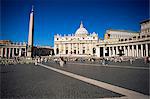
(82, 43)
(115, 43)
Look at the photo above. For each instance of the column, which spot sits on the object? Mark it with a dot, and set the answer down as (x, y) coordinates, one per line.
(72, 48)
(104, 51)
(141, 50)
(59, 47)
(9, 52)
(77, 48)
(124, 50)
(64, 49)
(113, 51)
(109, 48)
(13, 52)
(80, 48)
(137, 51)
(1, 52)
(26, 52)
(117, 50)
(128, 50)
(98, 51)
(133, 50)
(20, 52)
(146, 49)
(5, 52)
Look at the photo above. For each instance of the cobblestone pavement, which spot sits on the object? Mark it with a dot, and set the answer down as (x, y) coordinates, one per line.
(134, 79)
(27, 81)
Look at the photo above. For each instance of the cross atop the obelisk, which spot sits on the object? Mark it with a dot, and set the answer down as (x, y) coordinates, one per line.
(32, 8)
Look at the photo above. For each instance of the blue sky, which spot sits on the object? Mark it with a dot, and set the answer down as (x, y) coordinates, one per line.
(64, 16)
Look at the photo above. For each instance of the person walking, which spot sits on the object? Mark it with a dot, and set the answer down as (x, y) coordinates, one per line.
(146, 60)
(35, 63)
(131, 61)
(61, 62)
(103, 61)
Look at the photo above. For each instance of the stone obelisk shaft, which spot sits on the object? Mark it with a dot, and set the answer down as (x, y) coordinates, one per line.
(30, 35)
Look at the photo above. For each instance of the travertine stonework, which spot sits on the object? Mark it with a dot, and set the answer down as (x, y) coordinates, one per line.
(80, 43)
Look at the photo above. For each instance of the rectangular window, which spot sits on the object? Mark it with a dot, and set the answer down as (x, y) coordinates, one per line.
(66, 51)
(74, 51)
(83, 51)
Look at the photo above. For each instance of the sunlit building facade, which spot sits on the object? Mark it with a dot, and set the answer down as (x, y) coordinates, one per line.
(82, 43)
(115, 35)
(137, 45)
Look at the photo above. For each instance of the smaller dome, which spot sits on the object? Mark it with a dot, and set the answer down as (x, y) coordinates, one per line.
(81, 30)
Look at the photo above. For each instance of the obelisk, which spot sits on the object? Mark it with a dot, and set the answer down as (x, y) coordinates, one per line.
(30, 35)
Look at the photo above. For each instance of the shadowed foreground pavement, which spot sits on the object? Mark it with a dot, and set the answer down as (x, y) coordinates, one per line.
(134, 79)
(29, 81)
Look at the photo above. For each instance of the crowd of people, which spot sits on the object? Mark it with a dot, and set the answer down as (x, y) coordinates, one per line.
(62, 60)
(103, 61)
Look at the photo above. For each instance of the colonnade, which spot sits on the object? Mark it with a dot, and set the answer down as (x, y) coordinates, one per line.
(9, 52)
(131, 50)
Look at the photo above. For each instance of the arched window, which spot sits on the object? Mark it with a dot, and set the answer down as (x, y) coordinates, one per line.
(94, 50)
(57, 51)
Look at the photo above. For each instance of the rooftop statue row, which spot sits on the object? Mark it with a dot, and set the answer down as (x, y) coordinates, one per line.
(81, 31)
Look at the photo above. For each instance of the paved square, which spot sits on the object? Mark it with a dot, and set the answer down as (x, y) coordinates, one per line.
(30, 81)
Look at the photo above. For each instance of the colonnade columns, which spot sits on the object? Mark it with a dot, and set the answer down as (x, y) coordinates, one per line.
(72, 48)
(113, 51)
(98, 51)
(20, 52)
(13, 52)
(9, 52)
(132, 51)
(129, 50)
(126, 51)
(146, 49)
(2, 52)
(109, 51)
(137, 51)
(141, 50)
(124, 48)
(116, 50)
(104, 51)
(64, 48)
(5, 52)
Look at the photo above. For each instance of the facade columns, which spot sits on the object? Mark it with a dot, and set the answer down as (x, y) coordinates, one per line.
(98, 51)
(141, 50)
(113, 51)
(13, 52)
(146, 49)
(124, 50)
(126, 47)
(59, 47)
(109, 48)
(64, 49)
(116, 50)
(137, 51)
(104, 51)
(2, 52)
(5, 52)
(129, 50)
(9, 53)
(20, 52)
(132, 51)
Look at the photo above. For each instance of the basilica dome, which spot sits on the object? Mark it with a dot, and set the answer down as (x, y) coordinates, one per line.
(81, 30)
